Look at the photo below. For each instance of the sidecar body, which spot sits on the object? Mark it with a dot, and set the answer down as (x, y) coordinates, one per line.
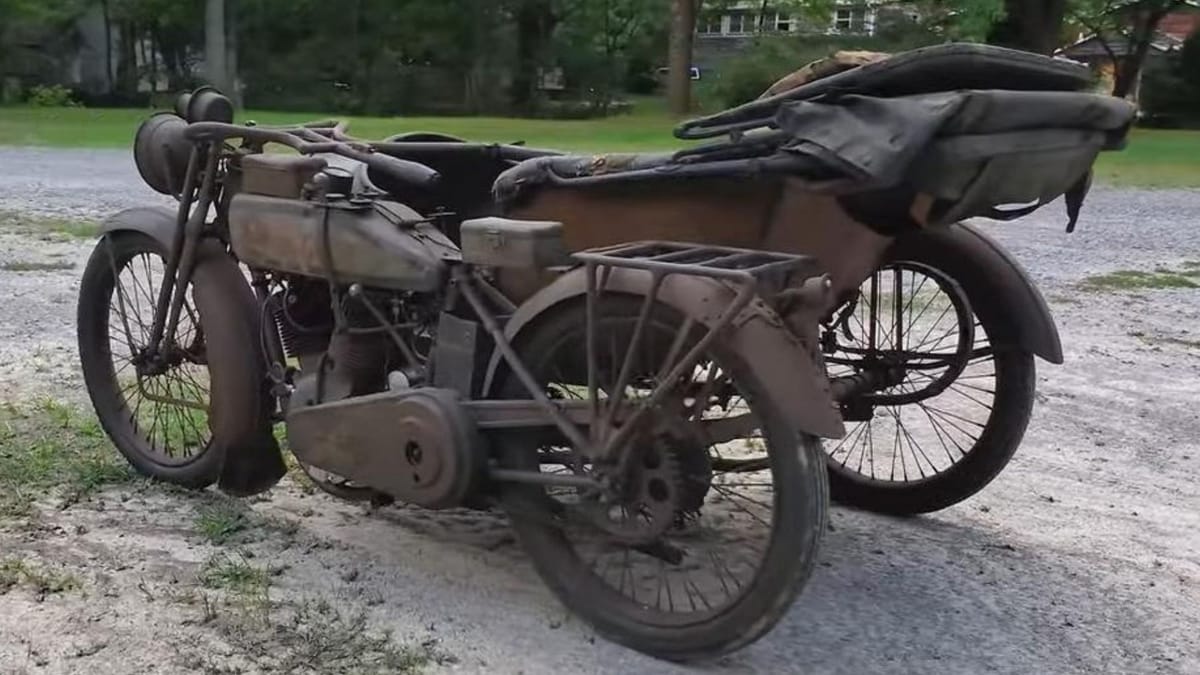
(837, 167)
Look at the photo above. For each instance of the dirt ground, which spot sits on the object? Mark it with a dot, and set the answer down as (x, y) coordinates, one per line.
(1084, 556)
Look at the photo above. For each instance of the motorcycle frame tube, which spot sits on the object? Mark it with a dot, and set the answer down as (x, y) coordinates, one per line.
(189, 228)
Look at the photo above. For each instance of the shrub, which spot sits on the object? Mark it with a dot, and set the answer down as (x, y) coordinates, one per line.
(1170, 90)
(53, 96)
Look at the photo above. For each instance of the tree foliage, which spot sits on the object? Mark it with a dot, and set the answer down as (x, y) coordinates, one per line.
(469, 56)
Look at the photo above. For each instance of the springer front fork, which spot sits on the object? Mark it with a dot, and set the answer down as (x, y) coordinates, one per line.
(196, 195)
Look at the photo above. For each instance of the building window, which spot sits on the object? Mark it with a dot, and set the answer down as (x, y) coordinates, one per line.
(783, 23)
(740, 23)
(710, 24)
(850, 20)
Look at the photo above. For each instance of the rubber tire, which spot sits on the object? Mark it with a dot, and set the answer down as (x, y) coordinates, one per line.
(1016, 380)
(219, 292)
(799, 526)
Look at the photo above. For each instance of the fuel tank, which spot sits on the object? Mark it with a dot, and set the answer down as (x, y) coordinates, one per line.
(380, 244)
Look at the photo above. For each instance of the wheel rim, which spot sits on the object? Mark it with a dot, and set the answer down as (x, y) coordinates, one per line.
(693, 533)
(165, 405)
(926, 423)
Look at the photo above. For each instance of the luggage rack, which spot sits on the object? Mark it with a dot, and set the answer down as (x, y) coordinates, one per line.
(729, 263)
(748, 271)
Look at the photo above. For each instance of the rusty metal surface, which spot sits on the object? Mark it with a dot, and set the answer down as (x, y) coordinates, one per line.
(278, 175)
(418, 445)
(790, 369)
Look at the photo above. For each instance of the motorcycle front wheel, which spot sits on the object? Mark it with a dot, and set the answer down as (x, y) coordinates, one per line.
(164, 416)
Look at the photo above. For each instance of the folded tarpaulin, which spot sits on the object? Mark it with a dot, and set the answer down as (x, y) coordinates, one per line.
(972, 152)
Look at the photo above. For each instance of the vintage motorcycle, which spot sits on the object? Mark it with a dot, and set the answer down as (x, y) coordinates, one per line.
(461, 325)
(635, 418)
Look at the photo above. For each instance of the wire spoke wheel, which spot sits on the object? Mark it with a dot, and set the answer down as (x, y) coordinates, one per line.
(161, 407)
(705, 534)
(931, 435)
(167, 404)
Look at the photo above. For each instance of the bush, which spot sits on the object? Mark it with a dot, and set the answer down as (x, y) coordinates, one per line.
(54, 96)
(1170, 90)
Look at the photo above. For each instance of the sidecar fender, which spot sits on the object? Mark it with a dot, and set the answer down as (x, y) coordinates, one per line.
(1001, 292)
(157, 222)
(791, 369)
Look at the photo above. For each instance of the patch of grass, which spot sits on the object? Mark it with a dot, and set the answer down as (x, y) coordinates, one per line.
(1159, 340)
(1128, 280)
(42, 580)
(234, 573)
(64, 228)
(222, 521)
(52, 448)
(31, 266)
(1154, 158)
(648, 127)
(317, 637)
(311, 636)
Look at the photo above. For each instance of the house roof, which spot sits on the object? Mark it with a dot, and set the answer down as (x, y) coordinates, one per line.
(1093, 45)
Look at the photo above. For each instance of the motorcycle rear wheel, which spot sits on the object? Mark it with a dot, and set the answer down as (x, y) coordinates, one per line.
(783, 481)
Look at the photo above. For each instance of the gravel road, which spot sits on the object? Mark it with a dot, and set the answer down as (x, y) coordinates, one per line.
(1084, 556)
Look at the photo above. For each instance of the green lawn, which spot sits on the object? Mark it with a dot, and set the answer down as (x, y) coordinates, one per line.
(1154, 158)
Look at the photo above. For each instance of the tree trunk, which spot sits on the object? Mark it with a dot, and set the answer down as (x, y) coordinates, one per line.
(231, 68)
(127, 60)
(1031, 25)
(215, 48)
(1143, 25)
(679, 57)
(108, 49)
(534, 22)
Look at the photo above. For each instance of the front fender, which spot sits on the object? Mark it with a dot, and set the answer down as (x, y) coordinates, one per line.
(791, 372)
(156, 222)
(998, 287)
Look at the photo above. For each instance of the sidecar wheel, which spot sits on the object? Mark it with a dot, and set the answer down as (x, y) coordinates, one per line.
(743, 519)
(944, 433)
(164, 423)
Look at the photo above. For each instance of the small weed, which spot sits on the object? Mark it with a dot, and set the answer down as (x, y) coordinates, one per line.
(1127, 280)
(30, 266)
(1158, 340)
(302, 480)
(43, 581)
(222, 521)
(235, 574)
(1189, 344)
(317, 637)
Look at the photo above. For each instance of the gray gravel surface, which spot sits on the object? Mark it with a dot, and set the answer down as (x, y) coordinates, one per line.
(1084, 556)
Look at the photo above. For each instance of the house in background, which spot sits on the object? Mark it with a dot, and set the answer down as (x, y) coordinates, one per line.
(723, 33)
(1102, 54)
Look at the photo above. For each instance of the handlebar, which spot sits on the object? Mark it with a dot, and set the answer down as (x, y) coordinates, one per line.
(309, 140)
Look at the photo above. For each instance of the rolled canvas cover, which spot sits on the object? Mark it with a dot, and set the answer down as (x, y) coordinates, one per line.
(896, 143)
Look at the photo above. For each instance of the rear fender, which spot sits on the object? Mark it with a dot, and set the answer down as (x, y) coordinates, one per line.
(791, 371)
(1000, 290)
